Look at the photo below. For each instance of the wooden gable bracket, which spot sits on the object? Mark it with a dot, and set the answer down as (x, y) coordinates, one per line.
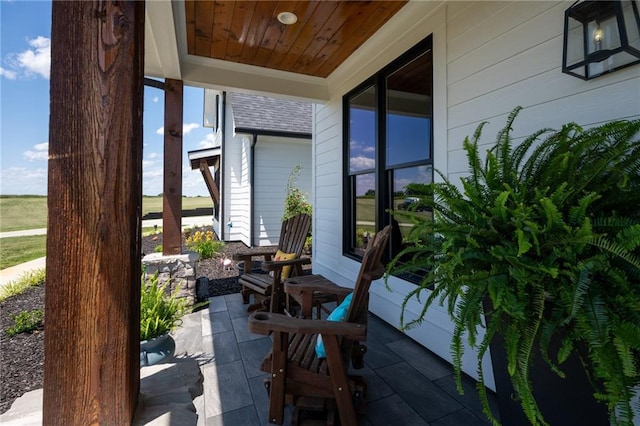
(212, 185)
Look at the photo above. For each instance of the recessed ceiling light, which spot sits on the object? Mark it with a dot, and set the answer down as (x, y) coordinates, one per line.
(287, 18)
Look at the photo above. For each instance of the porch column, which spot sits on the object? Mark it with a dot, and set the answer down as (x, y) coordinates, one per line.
(172, 191)
(91, 372)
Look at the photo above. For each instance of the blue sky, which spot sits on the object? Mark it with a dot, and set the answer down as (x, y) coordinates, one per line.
(25, 34)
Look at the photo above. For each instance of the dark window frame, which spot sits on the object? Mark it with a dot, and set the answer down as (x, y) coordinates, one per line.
(383, 174)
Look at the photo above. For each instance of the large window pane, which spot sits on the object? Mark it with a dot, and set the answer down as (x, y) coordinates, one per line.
(365, 208)
(409, 196)
(388, 145)
(362, 131)
(408, 99)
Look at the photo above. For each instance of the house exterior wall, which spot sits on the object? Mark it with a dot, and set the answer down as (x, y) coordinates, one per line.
(489, 57)
(236, 184)
(275, 158)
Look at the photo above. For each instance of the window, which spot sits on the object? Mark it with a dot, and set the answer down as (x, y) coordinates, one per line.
(388, 129)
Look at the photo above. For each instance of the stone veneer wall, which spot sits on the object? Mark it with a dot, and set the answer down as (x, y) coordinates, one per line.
(179, 270)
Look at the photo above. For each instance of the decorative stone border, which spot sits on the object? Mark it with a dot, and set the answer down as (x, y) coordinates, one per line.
(179, 270)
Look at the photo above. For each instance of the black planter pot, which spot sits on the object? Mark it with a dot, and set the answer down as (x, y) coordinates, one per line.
(563, 402)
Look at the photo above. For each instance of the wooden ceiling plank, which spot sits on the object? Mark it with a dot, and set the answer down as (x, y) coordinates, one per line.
(359, 32)
(323, 12)
(221, 28)
(261, 16)
(331, 30)
(273, 33)
(189, 8)
(303, 10)
(326, 34)
(204, 11)
(241, 22)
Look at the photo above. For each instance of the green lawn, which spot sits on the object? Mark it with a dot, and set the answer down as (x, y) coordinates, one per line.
(365, 215)
(154, 204)
(30, 212)
(17, 213)
(16, 250)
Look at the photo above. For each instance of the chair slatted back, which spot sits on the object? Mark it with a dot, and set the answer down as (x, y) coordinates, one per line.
(294, 233)
(371, 269)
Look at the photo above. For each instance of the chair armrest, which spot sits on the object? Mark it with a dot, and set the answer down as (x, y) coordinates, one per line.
(249, 254)
(294, 286)
(308, 290)
(272, 265)
(264, 323)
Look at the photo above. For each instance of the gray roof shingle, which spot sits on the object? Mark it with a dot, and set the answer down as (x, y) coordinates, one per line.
(263, 113)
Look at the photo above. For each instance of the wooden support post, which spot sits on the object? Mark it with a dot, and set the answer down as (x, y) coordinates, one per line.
(92, 306)
(172, 191)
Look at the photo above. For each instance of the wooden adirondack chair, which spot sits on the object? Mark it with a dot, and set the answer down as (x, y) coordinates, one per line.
(297, 375)
(267, 287)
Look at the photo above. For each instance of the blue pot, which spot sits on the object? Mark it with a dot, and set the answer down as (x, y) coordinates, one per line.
(157, 350)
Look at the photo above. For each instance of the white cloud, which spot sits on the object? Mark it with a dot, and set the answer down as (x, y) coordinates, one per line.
(36, 60)
(44, 146)
(155, 99)
(152, 181)
(356, 146)
(20, 181)
(152, 155)
(186, 128)
(364, 183)
(40, 152)
(11, 75)
(208, 142)
(31, 62)
(193, 183)
(362, 163)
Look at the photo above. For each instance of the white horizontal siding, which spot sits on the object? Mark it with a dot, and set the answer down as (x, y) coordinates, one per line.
(489, 57)
(275, 159)
(236, 184)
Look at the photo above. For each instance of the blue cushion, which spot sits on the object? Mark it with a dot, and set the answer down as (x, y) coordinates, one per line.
(338, 314)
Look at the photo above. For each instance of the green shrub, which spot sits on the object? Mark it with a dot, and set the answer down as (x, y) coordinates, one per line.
(295, 202)
(26, 322)
(158, 248)
(204, 244)
(26, 280)
(362, 236)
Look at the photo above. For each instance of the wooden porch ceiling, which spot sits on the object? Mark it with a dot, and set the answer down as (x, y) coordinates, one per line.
(248, 32)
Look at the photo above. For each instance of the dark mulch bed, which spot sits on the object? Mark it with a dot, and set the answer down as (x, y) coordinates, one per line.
(22, 356)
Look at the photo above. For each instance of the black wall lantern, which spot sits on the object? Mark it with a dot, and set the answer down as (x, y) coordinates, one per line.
(600, 37)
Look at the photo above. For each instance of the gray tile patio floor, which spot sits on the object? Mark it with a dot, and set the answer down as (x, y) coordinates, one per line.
(407, 384)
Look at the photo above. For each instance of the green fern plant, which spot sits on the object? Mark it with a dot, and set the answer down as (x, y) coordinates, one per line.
(159, 312)
(542, 241)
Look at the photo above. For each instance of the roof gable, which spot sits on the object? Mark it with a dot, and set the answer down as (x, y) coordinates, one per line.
(261, 113)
